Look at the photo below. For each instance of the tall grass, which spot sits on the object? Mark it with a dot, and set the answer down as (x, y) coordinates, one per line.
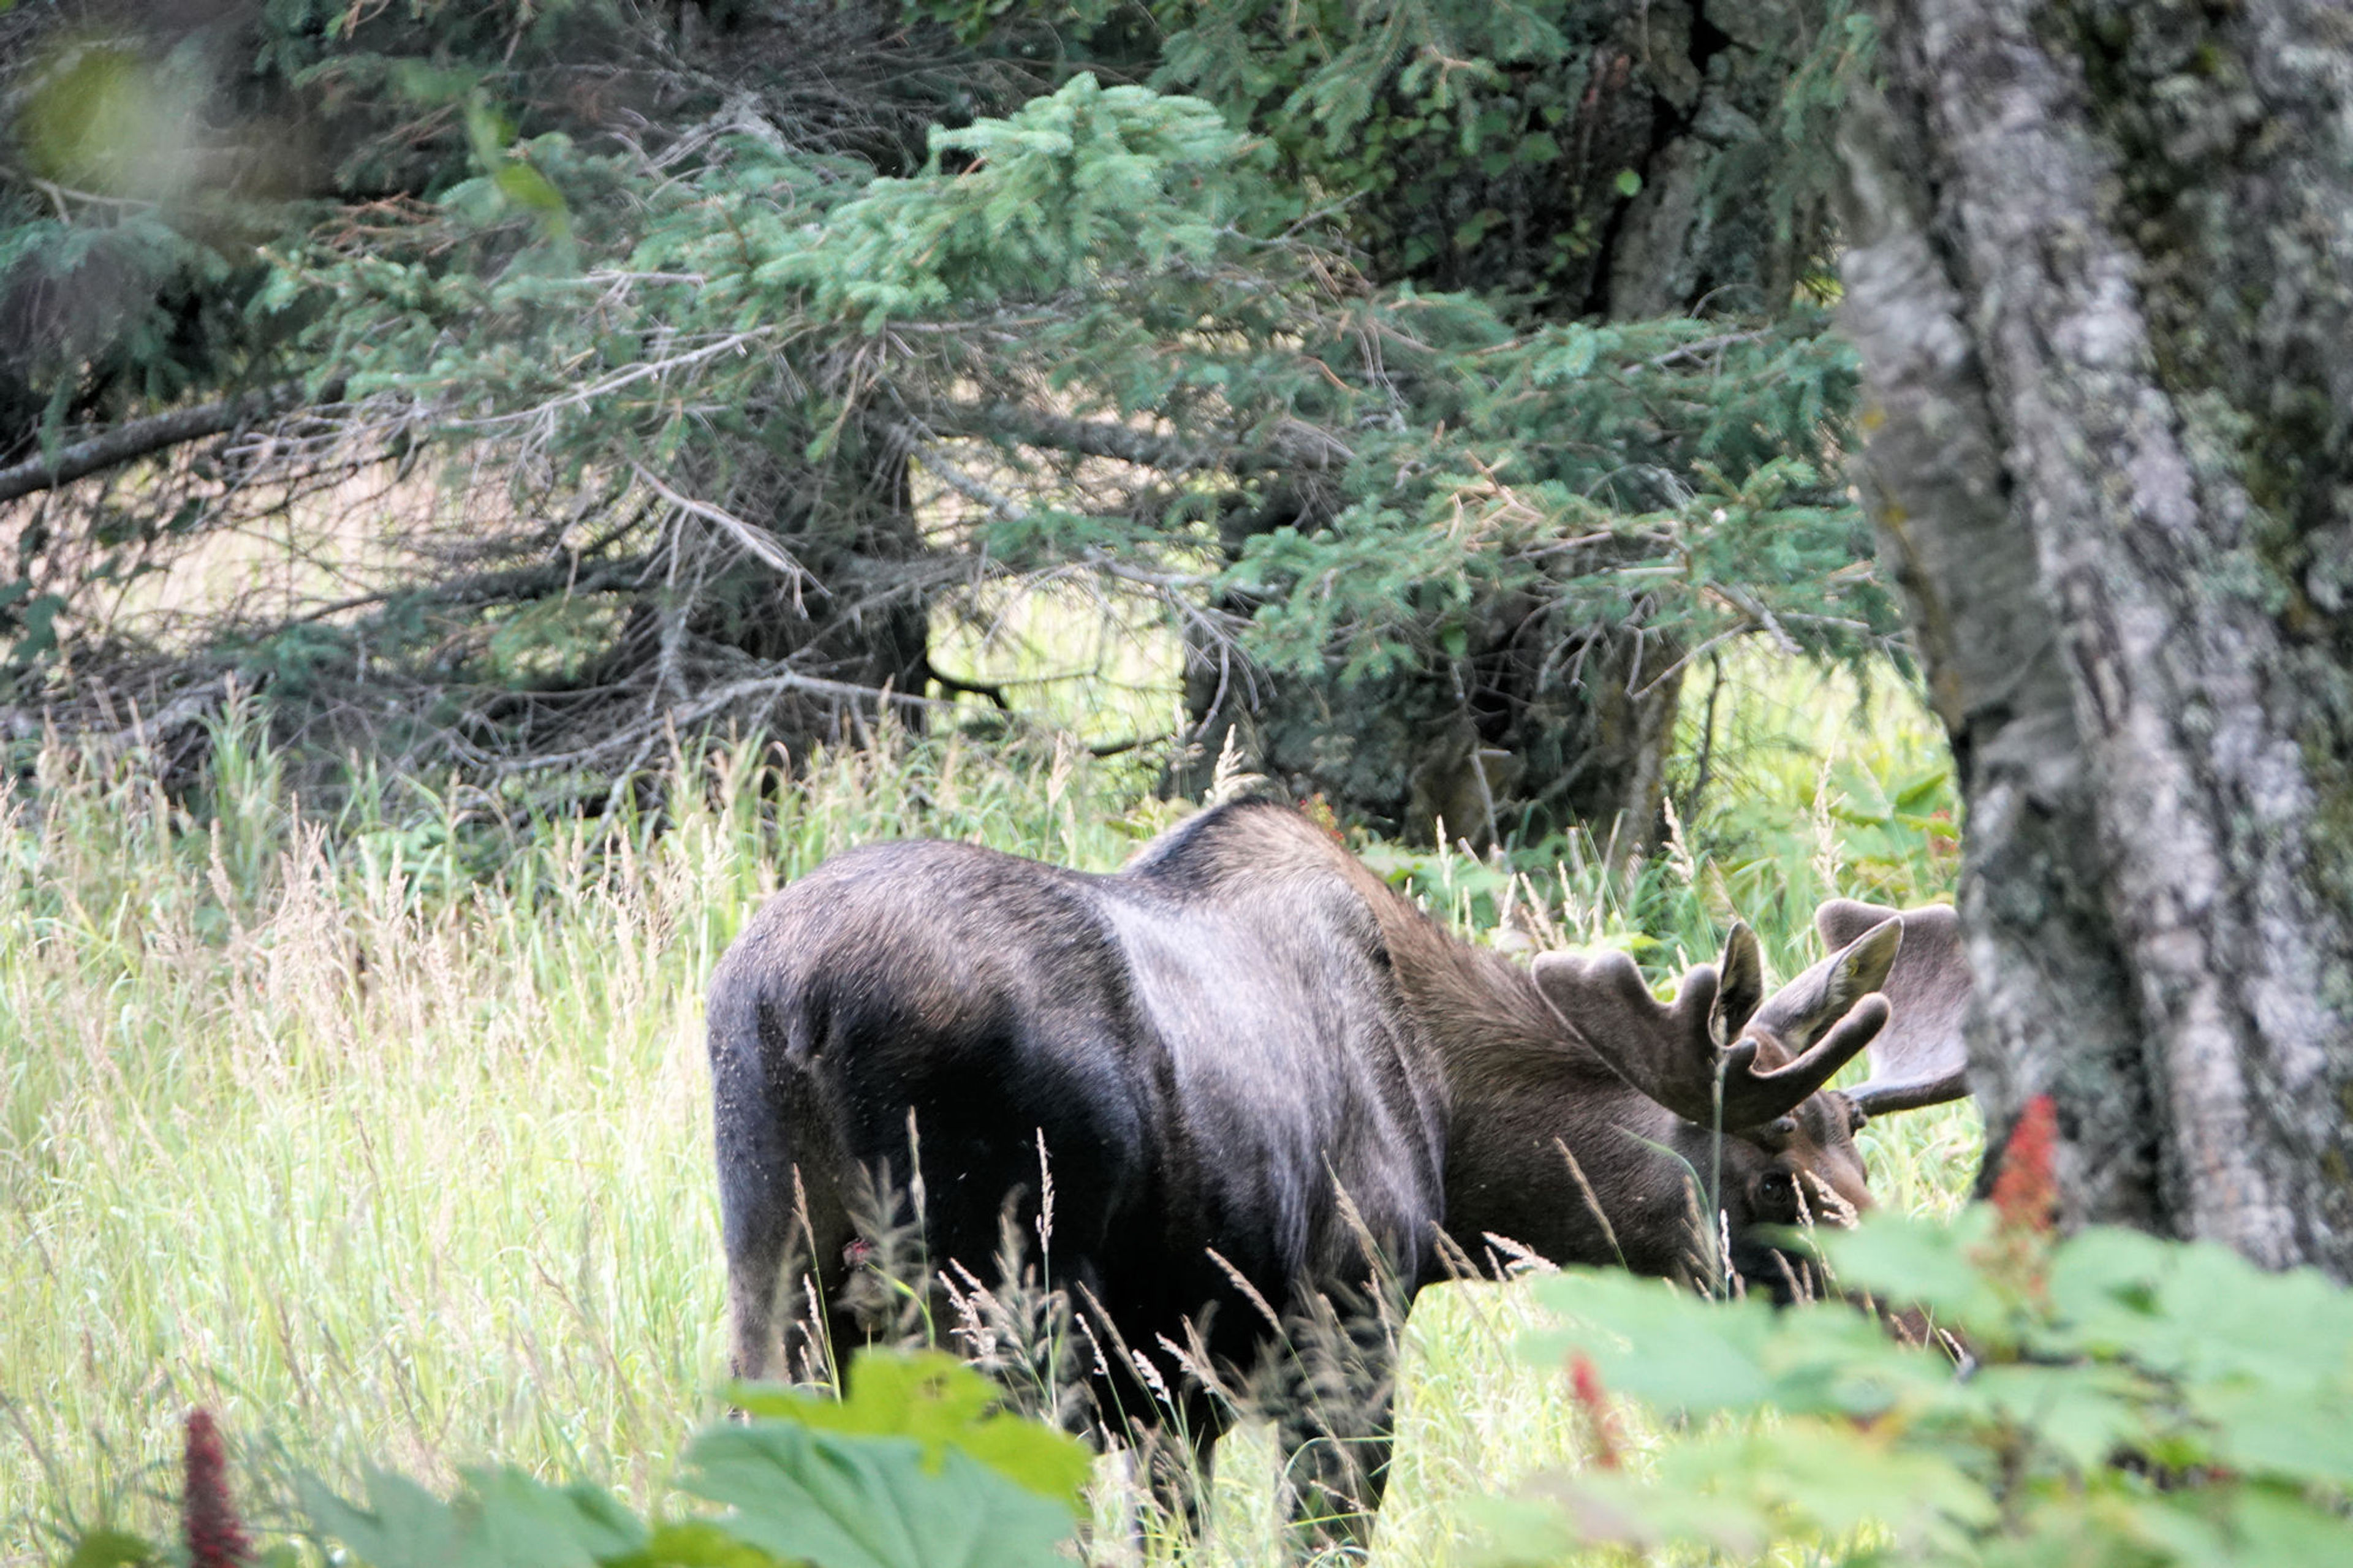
(387, 1136)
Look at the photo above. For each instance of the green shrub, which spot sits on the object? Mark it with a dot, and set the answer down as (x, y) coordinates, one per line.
(2119, 1402)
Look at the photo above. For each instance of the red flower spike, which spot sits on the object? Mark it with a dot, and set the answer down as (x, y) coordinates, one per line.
(1585, 1387)
(2026, 1204)
(2026, 1193)
(216, 1539)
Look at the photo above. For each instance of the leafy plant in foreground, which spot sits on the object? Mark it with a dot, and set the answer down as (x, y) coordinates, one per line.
(2124, 1401)
(916, 1468)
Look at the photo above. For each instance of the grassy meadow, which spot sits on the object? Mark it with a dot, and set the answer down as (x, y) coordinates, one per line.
(385, 1130)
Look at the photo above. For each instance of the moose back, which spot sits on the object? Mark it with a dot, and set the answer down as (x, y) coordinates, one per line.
(1244, 1056)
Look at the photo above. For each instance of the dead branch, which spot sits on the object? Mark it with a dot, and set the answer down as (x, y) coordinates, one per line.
(686, 715)
(144, 438)
(183, 709)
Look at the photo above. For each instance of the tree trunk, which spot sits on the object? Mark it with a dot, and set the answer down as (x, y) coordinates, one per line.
(2102, 278)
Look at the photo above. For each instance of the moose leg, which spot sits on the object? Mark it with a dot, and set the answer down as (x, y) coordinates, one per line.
(756, 1227)
(783, 1240)
(1337, 1440)
(1336, 1478)
(1186, 1462)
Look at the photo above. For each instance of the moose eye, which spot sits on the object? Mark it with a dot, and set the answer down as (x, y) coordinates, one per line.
(1776, 1184)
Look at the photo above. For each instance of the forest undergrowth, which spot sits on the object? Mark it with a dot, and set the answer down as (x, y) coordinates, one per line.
(384, 1132)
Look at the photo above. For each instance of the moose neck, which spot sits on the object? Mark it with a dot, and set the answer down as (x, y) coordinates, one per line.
(1546, 1147)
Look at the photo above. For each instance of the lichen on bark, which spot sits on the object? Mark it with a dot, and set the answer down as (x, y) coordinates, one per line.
(2101, 282)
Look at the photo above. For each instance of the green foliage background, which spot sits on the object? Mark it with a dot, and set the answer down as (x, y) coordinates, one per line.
(1324, 334)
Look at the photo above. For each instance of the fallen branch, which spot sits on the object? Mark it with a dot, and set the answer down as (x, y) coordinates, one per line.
(189, 707)
(513, 583)
(144, 438)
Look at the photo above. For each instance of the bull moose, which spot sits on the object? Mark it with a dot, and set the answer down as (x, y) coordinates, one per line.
(1248, 1056)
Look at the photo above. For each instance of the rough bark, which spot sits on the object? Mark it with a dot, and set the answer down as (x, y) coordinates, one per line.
(2103, 284)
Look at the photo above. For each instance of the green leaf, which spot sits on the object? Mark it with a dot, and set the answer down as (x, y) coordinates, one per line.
(111, 1549)
(2260, 1431)
(1836, 1477)
(693, 1543)
(942, 1403)
(1556, 1515)
(505, 1519)
(2277, 1527)
(527, 187)
(1628, 182)
(1734, 1492)
(2083, 1414)
(403, 1526)
(488, 131)
(1655, 1342)
(2201, 1313)
(841, 1501)
(1923, 792)
(1923, 1263)
(520, 1521)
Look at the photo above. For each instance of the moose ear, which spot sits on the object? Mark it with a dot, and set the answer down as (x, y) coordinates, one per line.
(1804, 1009)
(1740, 985)
(1840, 921)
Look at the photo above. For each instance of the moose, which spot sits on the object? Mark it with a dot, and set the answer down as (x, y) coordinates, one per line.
(1255, 1066)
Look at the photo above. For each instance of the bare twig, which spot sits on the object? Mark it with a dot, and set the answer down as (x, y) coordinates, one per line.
(718, 698)
(758, 543)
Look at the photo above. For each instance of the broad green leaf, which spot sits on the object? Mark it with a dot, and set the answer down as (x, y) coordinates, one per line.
(693, 1543)
(527, 187)
(505, 1519)
(942, 1404)
(520, 1521)
(843, 1501)
(2083, 1414)
(403, 1526)
(2105, 1527)
(1554, 1515)
(1733, 1492)
(2199, 1311)
(111, 1549)
(2260, 1431)
(2277, 1527)
(1921, 1263)
(1680, 1352)
(1837, 1478)
(1657, 1343)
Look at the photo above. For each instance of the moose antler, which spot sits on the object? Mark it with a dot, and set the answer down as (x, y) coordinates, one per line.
(1921, 1058)
(1677, 1052)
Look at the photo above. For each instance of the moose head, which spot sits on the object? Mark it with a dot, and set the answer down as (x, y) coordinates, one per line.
(1744, 1073)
